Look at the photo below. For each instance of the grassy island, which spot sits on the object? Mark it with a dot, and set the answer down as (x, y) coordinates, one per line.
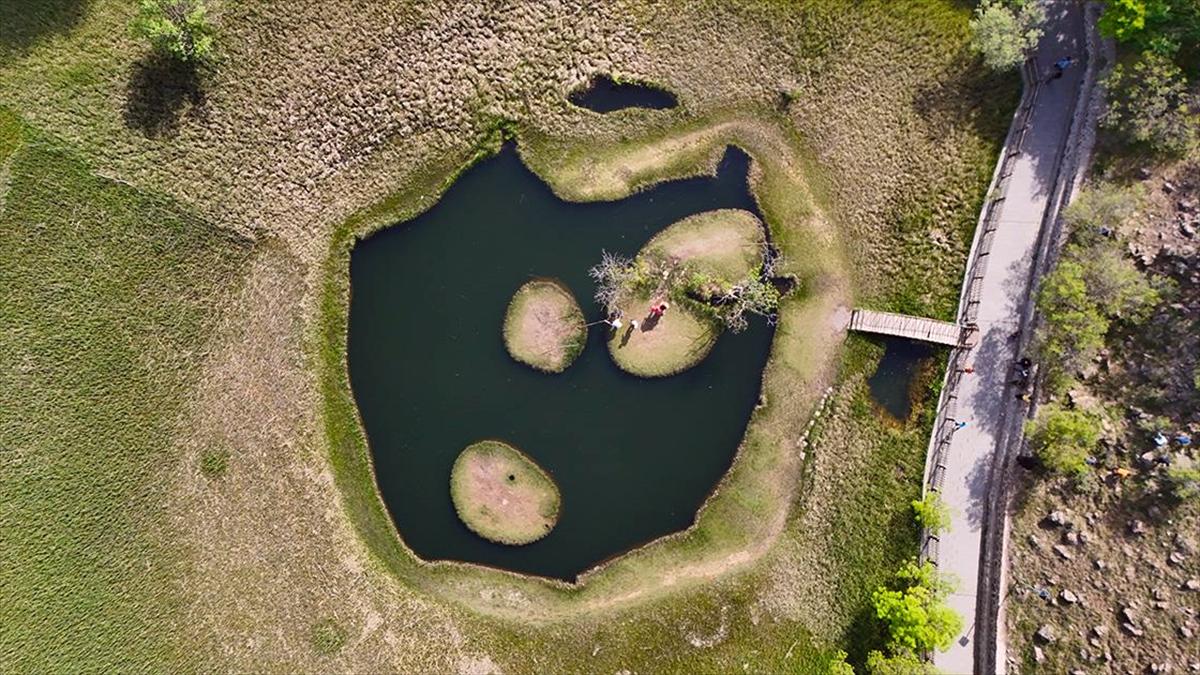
(544, 327)
(502, 495)
(689, 265)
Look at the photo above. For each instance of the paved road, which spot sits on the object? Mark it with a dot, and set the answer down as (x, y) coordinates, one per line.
(985, 403)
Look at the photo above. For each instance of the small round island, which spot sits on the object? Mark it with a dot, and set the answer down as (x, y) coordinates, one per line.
(544, 327)
(502, 495)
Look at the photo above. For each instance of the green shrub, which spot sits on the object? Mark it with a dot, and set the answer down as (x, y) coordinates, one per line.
(1004, 34)
(1103, 205)
(1062, 438)
(179, 29)
(904, 663)
(838, 666)
(915, 611)
(1161, 26)
(1183, 479)
(1073, 327)
(1150, 103)
(931, 512)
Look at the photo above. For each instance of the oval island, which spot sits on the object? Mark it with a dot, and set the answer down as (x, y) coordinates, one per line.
(683, 265)
(502, 495)
(544, 327)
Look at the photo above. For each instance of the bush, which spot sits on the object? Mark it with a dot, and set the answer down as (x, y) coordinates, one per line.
(838, 666)
(176, 28)
(1062, 438)
(1161, 26)
(1103, 206)
(931, 512)
(1150, 103)
(1183, 479)
(1074, 328)
(1003, 34)
(915, 611)
(904, 663)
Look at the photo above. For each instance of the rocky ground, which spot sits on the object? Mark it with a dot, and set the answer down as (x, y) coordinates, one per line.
(1105, 571)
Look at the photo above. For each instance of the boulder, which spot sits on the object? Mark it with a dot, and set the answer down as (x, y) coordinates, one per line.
(1045, 634)
(1068, 597)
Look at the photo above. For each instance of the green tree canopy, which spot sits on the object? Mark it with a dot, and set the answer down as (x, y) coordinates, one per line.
(1151, 103)
(915, 612)
(1074, 327)
(177, 28)
(1063, 438)
(1003, 34)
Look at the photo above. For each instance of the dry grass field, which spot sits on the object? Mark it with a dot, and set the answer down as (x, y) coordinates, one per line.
(183, 480)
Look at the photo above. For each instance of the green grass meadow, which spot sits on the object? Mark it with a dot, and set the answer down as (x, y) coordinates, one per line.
(106, 302)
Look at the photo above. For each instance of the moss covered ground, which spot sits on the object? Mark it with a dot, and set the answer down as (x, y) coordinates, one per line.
(175, 266)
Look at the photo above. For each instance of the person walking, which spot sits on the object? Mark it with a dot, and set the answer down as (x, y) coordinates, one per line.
(1060, 66)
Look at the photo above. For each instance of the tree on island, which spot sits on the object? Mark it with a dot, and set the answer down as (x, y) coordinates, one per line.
(1003, 33)
(179, 29)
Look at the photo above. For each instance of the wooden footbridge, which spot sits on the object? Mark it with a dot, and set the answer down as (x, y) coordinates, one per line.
(911, 327)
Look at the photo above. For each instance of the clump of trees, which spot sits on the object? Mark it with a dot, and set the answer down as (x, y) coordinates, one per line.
(1004, 33)
(620, 279)
(931, 512)
(178, 29)
(1094, 284)
(1149, 99)
(1063, 438)
(1151, 103)
(917, 619)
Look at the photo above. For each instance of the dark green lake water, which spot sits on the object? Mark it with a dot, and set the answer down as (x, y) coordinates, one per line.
(892, 384)
(604, 95)
(633, 458)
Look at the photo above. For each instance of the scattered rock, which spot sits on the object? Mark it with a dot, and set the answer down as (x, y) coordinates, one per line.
(1100, 631)
(1099, 564)
(1035, 542)
(1127, 615)
(1039, 656)
(1071, 538)
(1191, 585)
(1068, 597)
(1137, 527)
(1186, 633)
(1176, 558)
(1045, 634)
(1056, 518)
(1063, 552)
(1133, 630)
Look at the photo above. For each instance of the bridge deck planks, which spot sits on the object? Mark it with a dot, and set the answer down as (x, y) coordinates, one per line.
(902, 325)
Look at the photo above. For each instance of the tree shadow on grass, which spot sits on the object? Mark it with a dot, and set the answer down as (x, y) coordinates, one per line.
(160, 92)
(24, 22)
(971, 94)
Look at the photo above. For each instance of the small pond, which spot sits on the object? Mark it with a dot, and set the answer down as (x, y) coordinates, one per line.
(633, 458)
(604, 95)
(892, 385)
